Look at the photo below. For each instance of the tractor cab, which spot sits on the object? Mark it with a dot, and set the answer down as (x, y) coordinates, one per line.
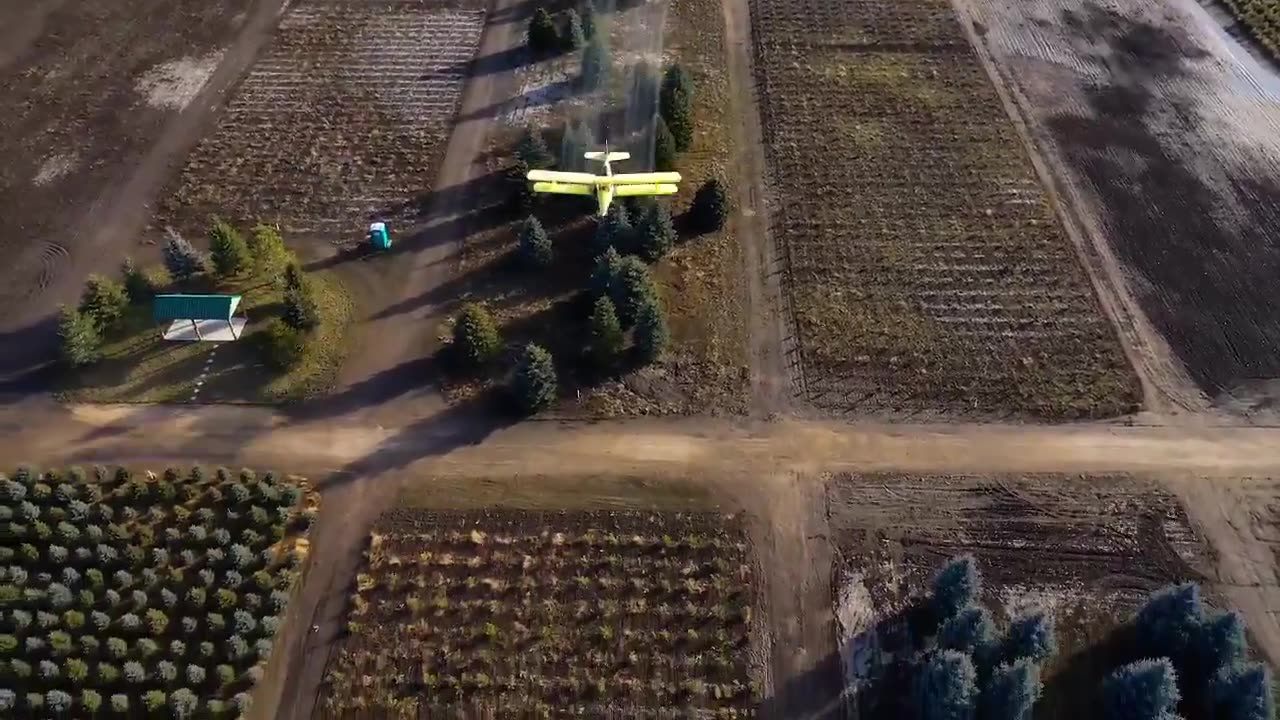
(379, 237)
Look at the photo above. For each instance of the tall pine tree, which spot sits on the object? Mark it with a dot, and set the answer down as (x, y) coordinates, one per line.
(675, 103)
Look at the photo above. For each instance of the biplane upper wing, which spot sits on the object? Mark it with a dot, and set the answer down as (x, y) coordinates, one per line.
(556, 176)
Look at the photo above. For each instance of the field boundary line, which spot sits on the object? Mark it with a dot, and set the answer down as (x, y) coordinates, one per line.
(1166, 388)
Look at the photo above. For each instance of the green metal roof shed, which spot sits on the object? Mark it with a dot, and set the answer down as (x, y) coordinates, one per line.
(206, 317)
(194, 307)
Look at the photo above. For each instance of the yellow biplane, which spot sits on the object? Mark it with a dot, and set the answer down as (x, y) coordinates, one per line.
(607, 186)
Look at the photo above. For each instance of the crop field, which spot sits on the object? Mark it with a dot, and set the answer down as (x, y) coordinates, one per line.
(142, 595)
(1168, 138)
(927, 271)
(1088, 549)
(343, 119)
(596, 614)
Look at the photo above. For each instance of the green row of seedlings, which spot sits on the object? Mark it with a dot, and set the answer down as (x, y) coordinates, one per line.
(133, 594)
(232, 259)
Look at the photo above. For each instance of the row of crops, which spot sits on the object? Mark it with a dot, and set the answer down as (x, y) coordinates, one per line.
(613, 614)
(136, 594)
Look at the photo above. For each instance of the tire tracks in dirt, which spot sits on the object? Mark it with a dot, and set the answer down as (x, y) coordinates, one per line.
(771, 346)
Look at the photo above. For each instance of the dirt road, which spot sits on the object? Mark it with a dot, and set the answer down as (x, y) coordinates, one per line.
(772, 345)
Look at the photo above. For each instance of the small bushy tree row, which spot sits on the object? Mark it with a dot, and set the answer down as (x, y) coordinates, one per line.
(1195, 657)
(174, 601)
(970, 672)
(575, 28)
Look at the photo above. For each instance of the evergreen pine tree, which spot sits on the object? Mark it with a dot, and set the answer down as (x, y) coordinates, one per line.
(80, 342)
(587, 13)
(596, 64)
(946, 687)
(606, 333)
(535, 246)
(300, 310)
(651, 331)
(605, 272)
(1012, 692)
(229, 252)
(269, 253)
(542, 34)
(522, 196)
(710, 207)
(632, 289)
(534, 382)
(1144, 690)
(181, 259)
(573, 37)
(1242, 691)
(675, 103)
(664, 147)
(104, 301)
(532, 150)
(475, 337)
(137, 284)
(614, 230)
(957, 585)
(655, 232)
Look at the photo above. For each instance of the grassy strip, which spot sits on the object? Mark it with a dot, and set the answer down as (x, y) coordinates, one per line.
(623, 492)
(139, 366)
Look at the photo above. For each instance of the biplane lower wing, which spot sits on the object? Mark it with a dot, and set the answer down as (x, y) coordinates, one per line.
(649, 189)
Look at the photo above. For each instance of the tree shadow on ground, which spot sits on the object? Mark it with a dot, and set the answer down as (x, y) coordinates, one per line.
(541, 96)
(459, 425)
(29, 362)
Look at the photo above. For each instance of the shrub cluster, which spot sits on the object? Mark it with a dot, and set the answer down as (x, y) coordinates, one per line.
(127, 593)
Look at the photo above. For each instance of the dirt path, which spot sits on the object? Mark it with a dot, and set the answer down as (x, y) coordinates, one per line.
(771, 345)
(1237, 520)
(401, 326)
(394, 354)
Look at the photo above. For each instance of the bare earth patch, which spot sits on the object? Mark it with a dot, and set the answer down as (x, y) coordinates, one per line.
(174, 84)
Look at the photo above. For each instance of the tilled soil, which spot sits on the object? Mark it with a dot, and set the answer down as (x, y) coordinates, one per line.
(1165, 134)
(340, 122)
